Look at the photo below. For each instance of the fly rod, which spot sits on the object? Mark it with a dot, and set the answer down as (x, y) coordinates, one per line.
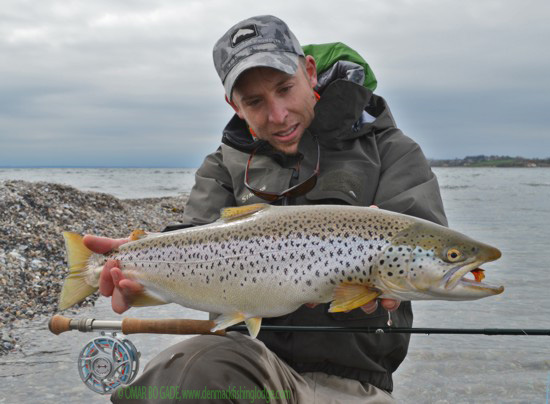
(59, 324)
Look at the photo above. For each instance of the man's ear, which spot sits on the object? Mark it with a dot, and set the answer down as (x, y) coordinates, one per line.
(235, 107)
(311, 70)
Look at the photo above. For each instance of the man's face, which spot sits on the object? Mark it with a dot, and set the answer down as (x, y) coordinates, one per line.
(277, 106)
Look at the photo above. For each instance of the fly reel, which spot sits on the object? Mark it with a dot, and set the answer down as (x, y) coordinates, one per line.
(107, 362)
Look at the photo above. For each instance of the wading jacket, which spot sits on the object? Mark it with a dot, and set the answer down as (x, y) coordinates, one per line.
(364, 160)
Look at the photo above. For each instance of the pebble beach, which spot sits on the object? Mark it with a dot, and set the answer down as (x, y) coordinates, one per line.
(33, 216)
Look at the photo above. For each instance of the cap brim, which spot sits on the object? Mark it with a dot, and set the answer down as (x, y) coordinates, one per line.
(283, 61)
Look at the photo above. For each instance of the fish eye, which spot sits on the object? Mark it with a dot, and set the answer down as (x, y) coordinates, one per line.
(453, 255)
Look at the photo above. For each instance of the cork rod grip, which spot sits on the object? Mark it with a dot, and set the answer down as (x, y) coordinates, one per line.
(168, 326)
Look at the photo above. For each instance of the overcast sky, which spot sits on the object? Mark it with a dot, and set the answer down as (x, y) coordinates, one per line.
(131, 82)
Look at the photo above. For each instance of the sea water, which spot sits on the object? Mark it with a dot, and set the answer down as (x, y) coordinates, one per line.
(505, 207)
(124, 183)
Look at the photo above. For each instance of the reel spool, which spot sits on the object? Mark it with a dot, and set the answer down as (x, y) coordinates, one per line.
(107, 362)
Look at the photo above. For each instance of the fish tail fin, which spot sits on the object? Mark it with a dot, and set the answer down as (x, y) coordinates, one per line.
(77, 285)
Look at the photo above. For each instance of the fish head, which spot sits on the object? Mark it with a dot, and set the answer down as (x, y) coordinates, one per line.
(437, 263)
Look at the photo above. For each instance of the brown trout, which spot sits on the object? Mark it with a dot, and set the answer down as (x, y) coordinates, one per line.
(266, 261)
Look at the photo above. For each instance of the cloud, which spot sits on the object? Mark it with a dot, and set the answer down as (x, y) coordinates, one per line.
(102, 80)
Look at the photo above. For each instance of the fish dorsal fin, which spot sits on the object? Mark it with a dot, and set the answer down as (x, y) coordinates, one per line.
(253, 324)
(240, 212)
(347, 297)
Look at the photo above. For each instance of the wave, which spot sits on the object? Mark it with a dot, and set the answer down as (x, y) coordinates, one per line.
(536, 184)
(455, 186)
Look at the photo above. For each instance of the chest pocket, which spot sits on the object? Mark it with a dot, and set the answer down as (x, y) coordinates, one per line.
(347, 175)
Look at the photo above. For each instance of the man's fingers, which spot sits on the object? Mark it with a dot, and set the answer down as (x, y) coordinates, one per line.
(311, 305)
(370, 307)
(102, 245)
(130, 288)
(387, 304)
(106, 282)
(390, 304)
(124, 292)
(118, 302)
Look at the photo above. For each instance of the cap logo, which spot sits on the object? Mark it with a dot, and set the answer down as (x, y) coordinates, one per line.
(243, 33)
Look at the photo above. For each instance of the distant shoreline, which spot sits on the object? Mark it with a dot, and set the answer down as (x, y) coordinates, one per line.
(491, 161)
(468, 161)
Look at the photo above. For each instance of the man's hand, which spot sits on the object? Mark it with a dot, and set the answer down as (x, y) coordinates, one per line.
(112, 281)
(388, 304)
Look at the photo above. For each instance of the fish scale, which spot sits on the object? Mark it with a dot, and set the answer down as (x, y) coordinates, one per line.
(265, 261)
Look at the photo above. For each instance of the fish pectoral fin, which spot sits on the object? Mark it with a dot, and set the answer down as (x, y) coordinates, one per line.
(253, 324)
(226, 320)
(240, 212)
(146, 298)
(347, 297)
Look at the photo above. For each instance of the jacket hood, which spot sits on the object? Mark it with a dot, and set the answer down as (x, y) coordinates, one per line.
(344, 102)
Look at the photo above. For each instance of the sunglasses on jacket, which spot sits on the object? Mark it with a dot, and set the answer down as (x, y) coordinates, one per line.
(297, 190)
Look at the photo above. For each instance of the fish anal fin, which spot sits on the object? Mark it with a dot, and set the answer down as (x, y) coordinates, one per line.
(146, 298)
(226, 320)
(348, 296)
(239, 212)
(253, 324)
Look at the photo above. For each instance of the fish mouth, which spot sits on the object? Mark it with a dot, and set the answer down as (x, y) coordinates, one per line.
(481, 286)
(457, 275)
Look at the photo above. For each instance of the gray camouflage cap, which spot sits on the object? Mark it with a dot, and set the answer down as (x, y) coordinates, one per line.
(263, 41)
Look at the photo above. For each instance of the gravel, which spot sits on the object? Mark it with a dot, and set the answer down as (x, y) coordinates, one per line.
(33, 216)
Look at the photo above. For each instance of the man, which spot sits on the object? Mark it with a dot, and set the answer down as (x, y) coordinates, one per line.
(296, 138)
